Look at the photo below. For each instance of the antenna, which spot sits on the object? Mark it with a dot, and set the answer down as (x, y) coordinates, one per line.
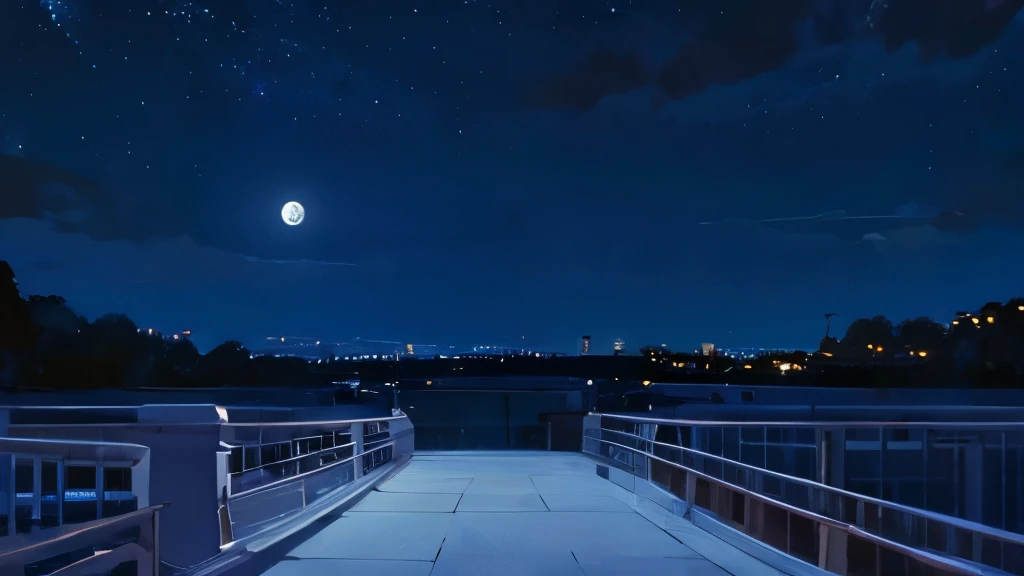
(828, 321)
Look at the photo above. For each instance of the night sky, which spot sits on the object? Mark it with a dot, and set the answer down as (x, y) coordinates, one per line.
(444, 206)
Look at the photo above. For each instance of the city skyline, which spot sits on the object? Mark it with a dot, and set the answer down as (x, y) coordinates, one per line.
(582, 345)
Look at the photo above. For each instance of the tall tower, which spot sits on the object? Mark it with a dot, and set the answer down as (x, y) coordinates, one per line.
(620, 346)
(586, 346)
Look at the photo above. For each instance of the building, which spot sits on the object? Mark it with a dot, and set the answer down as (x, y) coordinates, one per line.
(586, 346)
(309, 348)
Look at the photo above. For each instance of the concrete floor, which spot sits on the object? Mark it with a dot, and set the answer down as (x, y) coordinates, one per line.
(510, 513)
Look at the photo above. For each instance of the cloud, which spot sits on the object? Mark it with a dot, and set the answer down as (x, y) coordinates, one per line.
(175, 284)
(36, 246)
(62, 203)
(299, 262)
(73, 204)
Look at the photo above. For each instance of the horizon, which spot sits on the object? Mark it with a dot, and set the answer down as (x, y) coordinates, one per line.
(205, 344)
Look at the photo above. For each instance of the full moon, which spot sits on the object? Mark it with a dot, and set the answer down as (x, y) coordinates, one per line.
(293, 213)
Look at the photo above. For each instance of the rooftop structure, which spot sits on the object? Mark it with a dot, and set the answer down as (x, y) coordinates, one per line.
(611, 494)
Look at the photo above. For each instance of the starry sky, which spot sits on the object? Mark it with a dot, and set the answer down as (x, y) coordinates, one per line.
(443, 207)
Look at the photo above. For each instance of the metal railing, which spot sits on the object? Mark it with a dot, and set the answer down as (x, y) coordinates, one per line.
(970, 470)
(277, 469)
(40, 532)
(102, 545)
(248, 482)
(836, 530)
(34, 482)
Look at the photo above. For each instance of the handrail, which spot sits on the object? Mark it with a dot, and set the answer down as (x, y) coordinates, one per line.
(820, 424)
(316, 422)
(155, 424)
(330, 450)
(367, 449)
(302, 475)
(920, 555)
(74, 449)
(995, 533)
(21, 549)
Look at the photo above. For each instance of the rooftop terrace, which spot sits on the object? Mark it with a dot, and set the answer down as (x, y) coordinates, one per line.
(498, 513)
(192, 490)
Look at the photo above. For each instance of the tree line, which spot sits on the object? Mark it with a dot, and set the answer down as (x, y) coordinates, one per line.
(982, 348)
(44, 343)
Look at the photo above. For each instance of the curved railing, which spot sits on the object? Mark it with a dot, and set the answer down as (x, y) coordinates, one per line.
(803, 518)
(90, 539)
(236, 487)
(74, 450)
(44, 501)
(103, 541)
(970, 470)
(277, 469)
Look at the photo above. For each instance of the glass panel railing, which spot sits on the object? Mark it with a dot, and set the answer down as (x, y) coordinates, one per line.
(275, 470)
(64, 502)
(969, 470)
(787, 511)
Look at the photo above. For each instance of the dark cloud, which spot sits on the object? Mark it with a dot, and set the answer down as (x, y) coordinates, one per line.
(72, 204)
(857, 228)
(76, 206)
(742, 39)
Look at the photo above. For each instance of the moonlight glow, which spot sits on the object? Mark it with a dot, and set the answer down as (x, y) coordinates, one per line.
(293, 213)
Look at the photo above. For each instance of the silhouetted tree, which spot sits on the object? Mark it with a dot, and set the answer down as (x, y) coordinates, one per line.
(179, 364)
(828, 345)
(227, 365)
(919, 334)
(58, 356)
(867, 338)
(119, 353)
(43, 342)
(274, 371)
(17, 332)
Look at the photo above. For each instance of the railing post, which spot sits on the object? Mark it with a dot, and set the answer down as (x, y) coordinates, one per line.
(99, 490)
(821, 457)
(836, 458)
(739, 444)
(37, 492)
(12, 494)
(60, 492)
(746, 513)
(832, 549)
(155, 527)
(691, 490)
(357, 436)
(227, 534)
